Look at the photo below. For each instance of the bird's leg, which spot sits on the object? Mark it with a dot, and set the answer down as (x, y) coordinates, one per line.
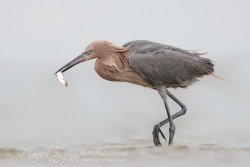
(183, 107)
(172, 126)
(178, 114)
(157, 130)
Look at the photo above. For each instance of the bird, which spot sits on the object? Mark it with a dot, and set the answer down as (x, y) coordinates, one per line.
(149, 64)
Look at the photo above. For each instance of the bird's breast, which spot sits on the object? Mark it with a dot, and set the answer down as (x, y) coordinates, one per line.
(103, 71)
(127, 74)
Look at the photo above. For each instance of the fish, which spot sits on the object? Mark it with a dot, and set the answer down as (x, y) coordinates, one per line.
(61, 78)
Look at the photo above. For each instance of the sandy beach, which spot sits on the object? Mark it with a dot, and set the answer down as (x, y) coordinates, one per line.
(132, 154)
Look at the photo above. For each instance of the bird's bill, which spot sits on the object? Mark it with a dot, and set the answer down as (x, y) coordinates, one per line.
(72, 63)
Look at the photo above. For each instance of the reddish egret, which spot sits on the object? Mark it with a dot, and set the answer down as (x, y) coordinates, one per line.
(148, 64)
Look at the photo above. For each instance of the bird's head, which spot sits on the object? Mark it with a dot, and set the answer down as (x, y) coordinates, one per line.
(96, 49)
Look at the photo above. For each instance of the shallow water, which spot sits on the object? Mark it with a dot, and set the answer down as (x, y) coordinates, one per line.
(133, 153)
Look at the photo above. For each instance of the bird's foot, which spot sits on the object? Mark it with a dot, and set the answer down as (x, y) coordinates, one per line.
(171, 134)
(156, 132)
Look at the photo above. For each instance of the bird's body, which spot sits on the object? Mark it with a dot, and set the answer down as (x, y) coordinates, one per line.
(148, 64)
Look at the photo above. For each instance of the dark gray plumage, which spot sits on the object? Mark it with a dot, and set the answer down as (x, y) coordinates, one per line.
(167, 65)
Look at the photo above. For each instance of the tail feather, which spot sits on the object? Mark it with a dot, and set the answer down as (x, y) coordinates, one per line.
(209, 68)
(216, 76)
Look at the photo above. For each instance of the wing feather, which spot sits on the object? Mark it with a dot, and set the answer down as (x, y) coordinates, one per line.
(164, 65)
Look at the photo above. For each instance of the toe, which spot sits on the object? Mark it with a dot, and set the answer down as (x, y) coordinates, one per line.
(156, 136)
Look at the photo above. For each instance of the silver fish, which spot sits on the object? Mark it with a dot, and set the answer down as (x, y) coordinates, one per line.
(61, 78)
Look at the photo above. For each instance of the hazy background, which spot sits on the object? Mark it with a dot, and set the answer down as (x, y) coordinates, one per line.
(38, 37)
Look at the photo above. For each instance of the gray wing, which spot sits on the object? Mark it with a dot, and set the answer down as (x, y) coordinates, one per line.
(166, 65)
(144, 46)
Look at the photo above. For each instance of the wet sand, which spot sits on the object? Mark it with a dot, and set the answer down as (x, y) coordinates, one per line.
(133, 154)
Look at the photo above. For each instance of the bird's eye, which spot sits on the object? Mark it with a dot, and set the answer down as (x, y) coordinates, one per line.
(89, 52)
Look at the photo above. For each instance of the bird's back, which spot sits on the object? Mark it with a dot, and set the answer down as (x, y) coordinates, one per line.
(161, 64)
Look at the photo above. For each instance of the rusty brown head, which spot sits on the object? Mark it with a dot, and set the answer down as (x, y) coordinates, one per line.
(96, 49)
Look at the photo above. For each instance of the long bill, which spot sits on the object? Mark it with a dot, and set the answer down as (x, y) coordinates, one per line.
(73, 62)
